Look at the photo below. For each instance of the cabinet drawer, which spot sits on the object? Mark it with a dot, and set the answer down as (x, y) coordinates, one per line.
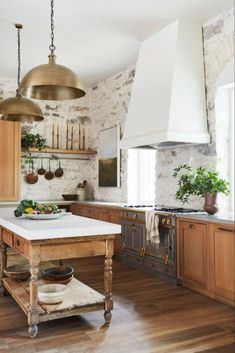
(20, 244)
(193, 226)
(158, 267)
(90, 212)
(7, 237)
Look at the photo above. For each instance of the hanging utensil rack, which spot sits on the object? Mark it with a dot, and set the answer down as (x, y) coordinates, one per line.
(84, 155)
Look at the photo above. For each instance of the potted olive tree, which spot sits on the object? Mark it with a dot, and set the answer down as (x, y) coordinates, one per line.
(200, 182)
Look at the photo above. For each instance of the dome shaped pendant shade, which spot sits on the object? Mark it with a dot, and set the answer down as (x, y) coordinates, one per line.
(51, 82)
(20, 109)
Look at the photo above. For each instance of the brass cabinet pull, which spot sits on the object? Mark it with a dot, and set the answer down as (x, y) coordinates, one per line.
(191, 226)
(17, 242)
(225, 229)
(142, 252)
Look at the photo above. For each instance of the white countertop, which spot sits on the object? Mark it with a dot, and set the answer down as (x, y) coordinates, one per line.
(16, 203)
(64, 227)
(102, 203)
(220, 217)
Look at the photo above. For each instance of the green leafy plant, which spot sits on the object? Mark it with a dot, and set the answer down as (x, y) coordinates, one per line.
(198, 181)
(32, 140)
(30, 206)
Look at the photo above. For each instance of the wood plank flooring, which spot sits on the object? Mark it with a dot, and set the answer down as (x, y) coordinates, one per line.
(149, 316)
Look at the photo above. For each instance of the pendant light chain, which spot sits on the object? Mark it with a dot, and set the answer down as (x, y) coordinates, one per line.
(52, 46)
(18, 27)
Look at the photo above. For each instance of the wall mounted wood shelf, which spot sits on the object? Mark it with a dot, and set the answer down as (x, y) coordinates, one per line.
(62, 151)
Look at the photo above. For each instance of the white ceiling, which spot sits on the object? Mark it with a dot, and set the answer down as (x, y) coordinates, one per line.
(95, 38)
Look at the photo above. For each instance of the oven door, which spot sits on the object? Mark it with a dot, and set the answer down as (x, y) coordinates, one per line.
(163, 253)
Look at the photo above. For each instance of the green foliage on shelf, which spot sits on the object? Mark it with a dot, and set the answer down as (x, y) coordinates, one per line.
(32, 140)
(198, 181)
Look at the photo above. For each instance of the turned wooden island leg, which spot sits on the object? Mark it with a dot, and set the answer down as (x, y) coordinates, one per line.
(108, 305)
(33, 315)
(3, 263)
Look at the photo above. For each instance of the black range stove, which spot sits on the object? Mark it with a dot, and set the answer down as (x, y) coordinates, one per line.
(170, 210)
(159, 261)
(177, 210)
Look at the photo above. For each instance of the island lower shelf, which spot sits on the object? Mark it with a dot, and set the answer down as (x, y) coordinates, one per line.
(79, 299)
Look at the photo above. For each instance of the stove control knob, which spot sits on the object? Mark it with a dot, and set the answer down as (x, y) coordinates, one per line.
(163, 220)
(135, 215)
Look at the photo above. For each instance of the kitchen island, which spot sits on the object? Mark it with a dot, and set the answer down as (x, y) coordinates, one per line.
(48, 240)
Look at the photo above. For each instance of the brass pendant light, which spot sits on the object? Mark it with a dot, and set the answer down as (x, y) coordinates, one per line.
(19, 108)
(51, 81)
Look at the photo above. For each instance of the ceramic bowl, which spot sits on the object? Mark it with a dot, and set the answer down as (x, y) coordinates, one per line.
(69, 197)
(52, 293)
(17, 272)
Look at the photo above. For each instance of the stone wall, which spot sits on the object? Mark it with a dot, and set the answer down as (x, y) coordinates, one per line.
(218, 51)
(110, 102)
(72, 112)
(106, 104)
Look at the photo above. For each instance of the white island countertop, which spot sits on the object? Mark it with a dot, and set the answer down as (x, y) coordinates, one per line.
(64, 227)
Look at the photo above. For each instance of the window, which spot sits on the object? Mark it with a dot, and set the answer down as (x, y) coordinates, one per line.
(225, 141)
(141, 167)
(231, 146)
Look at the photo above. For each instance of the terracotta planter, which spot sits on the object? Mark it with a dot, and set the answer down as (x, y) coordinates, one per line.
(210, 205)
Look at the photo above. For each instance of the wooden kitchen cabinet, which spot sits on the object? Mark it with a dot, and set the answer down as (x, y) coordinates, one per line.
(102, 214)
(192, 249)
(206, 258)
(85, 211)
(9, 160)
(221, 264)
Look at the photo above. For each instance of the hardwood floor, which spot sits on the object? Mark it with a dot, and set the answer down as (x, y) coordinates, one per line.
(149, 316)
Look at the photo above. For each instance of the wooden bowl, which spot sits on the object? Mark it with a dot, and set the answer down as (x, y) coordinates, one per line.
(70, 197)
(59, 273)
(58, 281)
(17, 272)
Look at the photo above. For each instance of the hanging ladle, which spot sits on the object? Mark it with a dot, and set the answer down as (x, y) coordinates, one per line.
(59, 171)
(41, 170)
(49, 175)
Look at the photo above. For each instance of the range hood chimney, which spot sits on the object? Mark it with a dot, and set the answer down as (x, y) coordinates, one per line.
(167, 105)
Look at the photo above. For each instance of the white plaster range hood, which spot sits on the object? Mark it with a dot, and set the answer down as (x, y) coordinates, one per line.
(167, 105)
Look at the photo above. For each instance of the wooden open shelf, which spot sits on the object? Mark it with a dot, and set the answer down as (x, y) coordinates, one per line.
(79, 299)
(62, 151)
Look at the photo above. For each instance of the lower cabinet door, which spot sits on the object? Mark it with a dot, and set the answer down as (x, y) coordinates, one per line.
(193, 252)
(224, 261)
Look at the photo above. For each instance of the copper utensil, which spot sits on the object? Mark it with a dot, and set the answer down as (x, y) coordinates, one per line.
(49, 175)
(59, 171)
(32, 177)
(41, 170)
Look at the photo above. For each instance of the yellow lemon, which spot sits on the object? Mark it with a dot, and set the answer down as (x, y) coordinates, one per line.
(28, 210)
